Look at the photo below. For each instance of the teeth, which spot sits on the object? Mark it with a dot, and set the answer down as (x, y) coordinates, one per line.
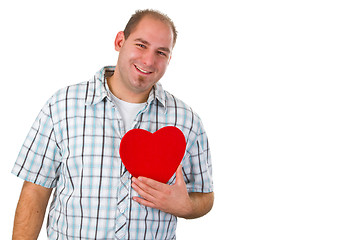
(141, 70)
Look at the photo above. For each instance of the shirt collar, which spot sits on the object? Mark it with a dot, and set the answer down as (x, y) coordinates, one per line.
(157, 92)
(98, 88)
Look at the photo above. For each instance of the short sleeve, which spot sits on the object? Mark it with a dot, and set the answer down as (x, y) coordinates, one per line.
(39, 158)
(197, 164)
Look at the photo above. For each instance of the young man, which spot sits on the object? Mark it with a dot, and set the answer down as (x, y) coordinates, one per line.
(73, 148)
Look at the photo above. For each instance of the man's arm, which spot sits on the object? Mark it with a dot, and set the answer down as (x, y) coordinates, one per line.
(172, 199)
(30, 211)
(201, 204)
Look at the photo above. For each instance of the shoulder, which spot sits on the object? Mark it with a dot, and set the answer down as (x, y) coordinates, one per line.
(175, 104)
(184, 115)
(67, 101)
(71, 93)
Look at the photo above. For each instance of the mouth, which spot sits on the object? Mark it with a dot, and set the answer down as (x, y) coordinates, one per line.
(142, 70)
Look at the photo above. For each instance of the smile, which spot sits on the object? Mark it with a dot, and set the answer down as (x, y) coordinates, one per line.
(142, 70)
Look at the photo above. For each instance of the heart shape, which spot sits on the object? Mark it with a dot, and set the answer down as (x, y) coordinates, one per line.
(153, 155)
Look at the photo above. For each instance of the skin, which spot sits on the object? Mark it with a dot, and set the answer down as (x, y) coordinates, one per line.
(30, 211)
(143, 59)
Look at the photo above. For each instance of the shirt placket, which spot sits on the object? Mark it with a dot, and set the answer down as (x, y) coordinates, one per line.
(124, 184)
(122, 211)
(124, 190)
(123, 201)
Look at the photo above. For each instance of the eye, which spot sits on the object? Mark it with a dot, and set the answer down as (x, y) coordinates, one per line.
(162, 53)
(141, 45)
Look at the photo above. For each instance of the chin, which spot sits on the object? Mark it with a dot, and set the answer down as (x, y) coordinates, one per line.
(141, 88)
(143, 84)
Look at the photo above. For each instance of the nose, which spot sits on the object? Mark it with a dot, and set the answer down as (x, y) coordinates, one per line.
(148, 58)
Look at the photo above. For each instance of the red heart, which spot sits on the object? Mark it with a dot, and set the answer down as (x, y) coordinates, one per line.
(153, 155)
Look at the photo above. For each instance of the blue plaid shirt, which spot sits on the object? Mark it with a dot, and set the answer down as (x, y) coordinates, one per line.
(73, 147)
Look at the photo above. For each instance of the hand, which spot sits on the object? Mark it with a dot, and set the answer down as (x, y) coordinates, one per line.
(173, 199)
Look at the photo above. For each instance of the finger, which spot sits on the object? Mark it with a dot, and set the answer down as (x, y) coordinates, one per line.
(143, 190)
(179, 175)
(152, 183)
(144, 202)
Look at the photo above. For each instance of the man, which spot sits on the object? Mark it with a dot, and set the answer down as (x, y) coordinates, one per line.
(73, 148)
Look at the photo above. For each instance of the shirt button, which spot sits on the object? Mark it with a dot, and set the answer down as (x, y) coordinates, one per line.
(122, 210)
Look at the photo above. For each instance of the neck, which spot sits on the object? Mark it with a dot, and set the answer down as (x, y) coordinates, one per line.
(123, 93)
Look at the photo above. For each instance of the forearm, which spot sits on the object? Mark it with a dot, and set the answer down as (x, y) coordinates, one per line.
(201, 204)
(30, 212)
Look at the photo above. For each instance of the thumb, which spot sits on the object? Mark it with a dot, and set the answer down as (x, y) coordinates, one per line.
(179, 175)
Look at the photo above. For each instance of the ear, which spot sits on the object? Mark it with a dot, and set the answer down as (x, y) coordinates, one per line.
(119, 40)
(169, 58)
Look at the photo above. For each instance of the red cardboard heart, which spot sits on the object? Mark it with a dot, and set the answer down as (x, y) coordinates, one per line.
(153, 155)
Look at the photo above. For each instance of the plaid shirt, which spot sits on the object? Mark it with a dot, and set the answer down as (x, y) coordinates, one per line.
(73, 147)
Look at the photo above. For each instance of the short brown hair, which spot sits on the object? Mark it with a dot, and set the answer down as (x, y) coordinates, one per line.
(139, 14)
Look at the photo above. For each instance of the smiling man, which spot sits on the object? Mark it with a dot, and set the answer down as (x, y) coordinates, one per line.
(72, 149)
(143, 58)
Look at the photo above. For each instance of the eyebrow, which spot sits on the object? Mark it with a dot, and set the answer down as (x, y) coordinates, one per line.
(165, 49)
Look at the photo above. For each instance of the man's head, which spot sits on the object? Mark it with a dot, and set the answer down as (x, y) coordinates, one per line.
(138, 15)
(144, 54)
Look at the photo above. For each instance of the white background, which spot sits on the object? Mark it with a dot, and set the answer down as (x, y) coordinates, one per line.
(276, 84)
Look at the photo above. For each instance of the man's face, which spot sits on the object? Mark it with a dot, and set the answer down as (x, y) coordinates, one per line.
(144, 55)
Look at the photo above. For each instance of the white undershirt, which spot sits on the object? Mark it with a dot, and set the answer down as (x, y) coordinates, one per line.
(128, 111)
